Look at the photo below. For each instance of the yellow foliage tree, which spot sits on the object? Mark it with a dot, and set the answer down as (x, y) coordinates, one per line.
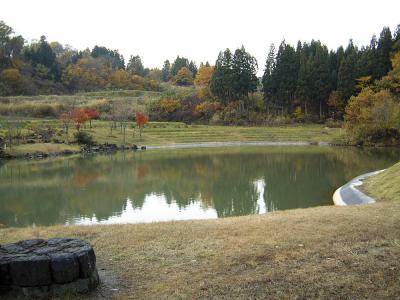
(184, 77)
(138, 82)
(392, 80)
(12, 79)
(170, 105)
(373, 117)
(87, 74)
(120, 79)
(203, 76)
(336, 105)
(202, 82)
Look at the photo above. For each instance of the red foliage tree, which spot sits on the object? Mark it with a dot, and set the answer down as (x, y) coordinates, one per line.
(80, 118)
(92, 114)
(141, 120)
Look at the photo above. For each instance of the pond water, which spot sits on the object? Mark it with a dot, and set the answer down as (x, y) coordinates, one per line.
(162, 185)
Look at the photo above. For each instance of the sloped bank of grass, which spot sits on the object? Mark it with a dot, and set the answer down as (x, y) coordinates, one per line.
(324, 252)
(384, 186)
(166, 133)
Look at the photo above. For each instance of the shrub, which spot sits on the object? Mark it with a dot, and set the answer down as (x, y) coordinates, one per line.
(298, 115)
(332, 123)
(83, 138)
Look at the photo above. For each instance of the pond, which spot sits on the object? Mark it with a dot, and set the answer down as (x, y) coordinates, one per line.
(178, 184)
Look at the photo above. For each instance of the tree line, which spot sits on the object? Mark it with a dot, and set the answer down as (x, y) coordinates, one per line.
(43, 67)
(307, 81)
(310, 77)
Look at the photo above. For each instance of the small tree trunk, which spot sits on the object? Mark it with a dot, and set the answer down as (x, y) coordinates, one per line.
(124, 134)
(320, 110)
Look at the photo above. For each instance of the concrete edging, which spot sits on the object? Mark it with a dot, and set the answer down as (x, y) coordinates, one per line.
(348, 194)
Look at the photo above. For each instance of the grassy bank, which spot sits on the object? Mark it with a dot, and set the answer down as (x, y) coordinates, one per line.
(163, 133)
(384, 186)
(324, 252)
(170, 133)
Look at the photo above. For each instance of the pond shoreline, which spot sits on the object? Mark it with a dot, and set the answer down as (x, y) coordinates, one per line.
(112, 148)
(348, 194)
(234, 144)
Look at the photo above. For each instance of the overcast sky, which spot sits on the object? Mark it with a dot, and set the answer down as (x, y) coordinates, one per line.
(162, 29)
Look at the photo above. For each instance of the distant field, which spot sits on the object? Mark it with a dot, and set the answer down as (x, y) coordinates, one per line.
(53, 105)
(28, 113)
(163, 133)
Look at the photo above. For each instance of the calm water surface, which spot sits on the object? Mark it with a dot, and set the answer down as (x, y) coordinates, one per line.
(161, 185)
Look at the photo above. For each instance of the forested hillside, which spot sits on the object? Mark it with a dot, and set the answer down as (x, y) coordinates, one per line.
(306, 82)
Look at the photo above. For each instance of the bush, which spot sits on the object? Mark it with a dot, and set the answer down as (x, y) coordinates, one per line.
(83, 138)
(332, 123)
(373, 118)
(298, 115)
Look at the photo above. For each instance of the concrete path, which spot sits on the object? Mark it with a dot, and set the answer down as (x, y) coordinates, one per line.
(348, 194)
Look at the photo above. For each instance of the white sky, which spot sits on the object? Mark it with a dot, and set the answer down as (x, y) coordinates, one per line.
(159, 30)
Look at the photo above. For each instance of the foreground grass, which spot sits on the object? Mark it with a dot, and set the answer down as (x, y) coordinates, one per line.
(384, 186)
(325, 252)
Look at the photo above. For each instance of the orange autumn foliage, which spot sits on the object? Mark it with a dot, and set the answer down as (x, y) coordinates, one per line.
(80, 118)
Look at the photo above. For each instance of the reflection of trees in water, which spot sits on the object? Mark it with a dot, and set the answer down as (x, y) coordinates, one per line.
(49, 193)
(289, 178)
(356, 161)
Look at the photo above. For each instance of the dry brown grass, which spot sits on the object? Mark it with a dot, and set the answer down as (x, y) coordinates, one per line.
(325, 252)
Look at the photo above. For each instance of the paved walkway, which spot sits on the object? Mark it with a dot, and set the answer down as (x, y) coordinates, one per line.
(348, 194)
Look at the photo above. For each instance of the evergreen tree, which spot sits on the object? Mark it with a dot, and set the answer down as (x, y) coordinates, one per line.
(383, 50)
(348, 72)
(43, 60)
(333, 58)
(244, 69)
(303, 82)
(320, 78)
(166, 71)
(179, 63)
(115, 60)
(221, 80)
(285, 76)
(192, 68)
(396, 40)
(135, 66)
(44, 54)
(267, 82)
